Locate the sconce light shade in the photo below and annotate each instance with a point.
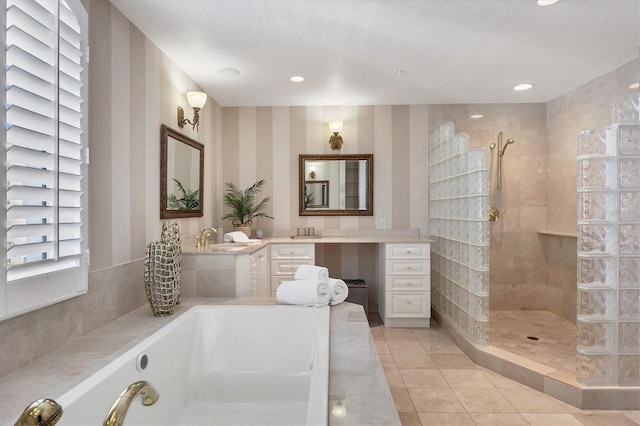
(335, 126)
(336, 140)
(197, 101)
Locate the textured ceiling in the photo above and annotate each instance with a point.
(349, 51)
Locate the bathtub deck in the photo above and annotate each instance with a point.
(356, 377)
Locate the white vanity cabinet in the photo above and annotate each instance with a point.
(405, 297)
(285, 260)
(259, 280)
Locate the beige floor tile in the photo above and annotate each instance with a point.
(635, 416)
(452, 361)
(423, 378)
(382, 347)
(394, 379)
(402, 400)
(399, 335)
(406, 347)
(551, 419)
(436, 401)
(527, 400)
(439, 347)
(413, 361)
(409, 419)
(446, 419)
(499, 419)
(387, 361)
(604, 419)
(466, 378)
(484, 401)
(501, 382)
(377, 334)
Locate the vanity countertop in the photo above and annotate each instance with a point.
(188, 245)
(360, 387)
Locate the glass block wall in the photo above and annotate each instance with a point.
(608, 320)
(459, 205)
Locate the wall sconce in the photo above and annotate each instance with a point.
(197, 101)
(312, 173)
(336, 140)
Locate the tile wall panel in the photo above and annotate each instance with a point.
(459, 205)
(609, 248)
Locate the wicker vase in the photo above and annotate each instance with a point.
(243, 227)
(171, 234)
(162, 277)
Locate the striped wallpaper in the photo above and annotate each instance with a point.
(265, 142)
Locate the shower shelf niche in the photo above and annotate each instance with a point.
(558, 234)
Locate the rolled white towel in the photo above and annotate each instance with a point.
(339, 291)
(235, 237)
(304, 292)
(312, 272)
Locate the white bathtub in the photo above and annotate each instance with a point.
(220, 365)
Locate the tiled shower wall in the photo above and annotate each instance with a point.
(609, 249)
(459, 197)
(518, 258)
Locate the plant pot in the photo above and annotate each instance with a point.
(243, 227)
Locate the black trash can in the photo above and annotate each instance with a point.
(358, 293)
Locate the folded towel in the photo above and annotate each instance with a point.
(312, 272)
(303, 292)
(339, 291)
(236, 237)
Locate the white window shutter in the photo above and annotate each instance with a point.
(46, 188)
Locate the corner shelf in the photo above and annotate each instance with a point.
(558, 234)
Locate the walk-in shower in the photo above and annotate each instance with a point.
(494, 212)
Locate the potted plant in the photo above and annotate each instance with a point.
(244, 206)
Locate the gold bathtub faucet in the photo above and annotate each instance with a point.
(121, 405)
(203, 239)
(43, 412)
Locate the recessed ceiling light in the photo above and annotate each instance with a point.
(547, 2)
(523, 86)
(297, 78)
(228, 72)
(476, 116)
(634, 86)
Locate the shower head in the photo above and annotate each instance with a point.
(504, 148)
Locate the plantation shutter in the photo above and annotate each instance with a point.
(45, 149)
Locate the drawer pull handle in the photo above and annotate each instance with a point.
(409, 284)
(409, 251)
(409, 268)
(408, 302)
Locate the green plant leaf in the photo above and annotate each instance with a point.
(243, 202)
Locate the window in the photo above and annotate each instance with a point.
(46, 154)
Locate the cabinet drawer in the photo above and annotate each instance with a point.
(287, 267)
(417, 283)
(293, 251)
(407, 251)
(407, 267)
(275, 283)
(408, 305)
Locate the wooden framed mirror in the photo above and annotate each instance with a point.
(181, 175)
(335, 185)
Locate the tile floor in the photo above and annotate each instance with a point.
(556, 344)
(434, 383)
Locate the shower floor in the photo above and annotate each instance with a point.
(556, 344)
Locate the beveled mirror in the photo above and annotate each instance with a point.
(336, 185)
(181, 175)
